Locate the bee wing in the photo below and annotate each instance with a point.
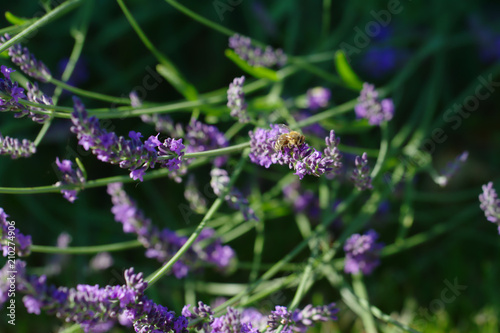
(283, 128)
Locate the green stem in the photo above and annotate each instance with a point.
(360, 291)
(201, 19)
(214, 152)
(153, 278)
(59, 10)
(335, 111)
(384, 147)
(86, 249)
(89, 94)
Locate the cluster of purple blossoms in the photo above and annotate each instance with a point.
(490, 204)
(15, 92)
(305, 160)
(362, 253)
(22, 57)
(130, 154)
(255, 56)
(452, 168)
(234, 198)
(69, 175)
(202, 137)
(318, 97)
(164, 244)
(12, 241)
(236, 100)
(303, 201)
(15, 148)
(252, 321)
(96, 309)
(370, 107)
(361, 174)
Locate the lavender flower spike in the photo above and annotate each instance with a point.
(16, 148)
(164, 244)
(255, 56)
(22, 57)
(318, 97)
(9, 235)
(133, 154)
(69, 175)
(362, 253)
(370, 107)
(361, 175)
(304, 160)
(490, 204)
(236, 100)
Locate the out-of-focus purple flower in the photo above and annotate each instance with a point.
(236, 100)
(487, 39)
(9, 278)
(15, 148)
(234, 198)
(164, 244)
(314, 129)
(303, 201)
(361, 174)
(133, 154)
(255, 56)
(318, 97)
(57, 261)
(380, 61)
(12, 241)
(362, 253)
(305, 160)
(452, 168)
(95, 308)
(490, 204)
(310, 315)
(372, 108)
(202, 137)
(134, 99)
(197, 201)
(101, 261)
(22, 57)
(69, 175)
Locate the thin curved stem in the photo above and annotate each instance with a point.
(86, 249)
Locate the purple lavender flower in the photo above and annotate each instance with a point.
(164, 244)
(12, 240)
(203, 313)
(236, 100)
(318, 97)
(134, 99)
(14, 93)
(101, 261)
(280, 316)
(255, 56)
(234, 198)
(202, 137)
(15, 148)
(490, 204)
(370, 107)
(362, 253)
(304, 160)
(361, 174)
(37, 96)
(452, 168)
(22, 57)
(69, 175)
(133, 154)
(303, 201)
(94, 307)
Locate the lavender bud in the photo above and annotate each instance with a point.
(15, 148)
(236, 100)
(490, 204)
(361, 174)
